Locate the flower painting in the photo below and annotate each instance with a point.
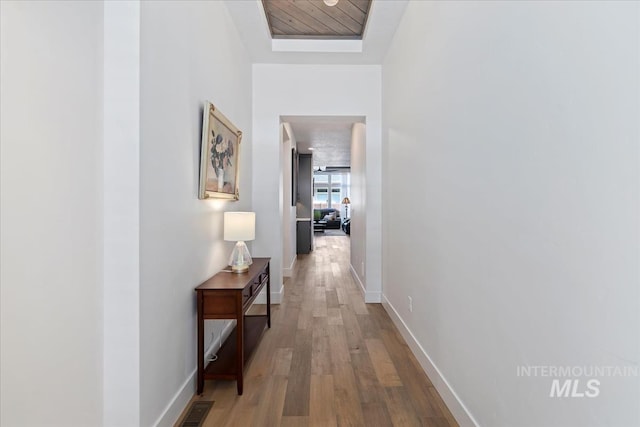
(221, 152)
(219, 156)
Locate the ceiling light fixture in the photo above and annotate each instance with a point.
(331, 2)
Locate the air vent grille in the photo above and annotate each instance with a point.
(196, 414)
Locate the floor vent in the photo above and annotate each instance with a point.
(196, 414)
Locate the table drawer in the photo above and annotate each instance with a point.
(255, 287)
(259, 281)
(219, 304)
(247, 293)
(262, 277)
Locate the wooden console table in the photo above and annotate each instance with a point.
(228, 296)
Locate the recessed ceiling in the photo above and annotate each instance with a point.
(330, 138)
(313, 19)
(382, 21)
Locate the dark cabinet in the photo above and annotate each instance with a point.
(304, 236)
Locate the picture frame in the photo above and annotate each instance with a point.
(219, 156)
(294, 177)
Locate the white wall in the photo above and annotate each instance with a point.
(51, 213)
(313, 90)
(288, 211)
(511, 141)
(190, 53)
(358, 198)
(121, 168)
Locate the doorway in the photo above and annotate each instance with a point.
(336, 145)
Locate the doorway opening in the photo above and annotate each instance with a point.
(323, 185)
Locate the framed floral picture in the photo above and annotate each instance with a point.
(219, 156)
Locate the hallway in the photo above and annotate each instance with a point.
(328, 359)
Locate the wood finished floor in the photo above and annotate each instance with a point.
(329, 359)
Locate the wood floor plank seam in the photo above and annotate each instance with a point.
(329, 359)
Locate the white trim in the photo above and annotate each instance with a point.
(217, 342)
(369, 296)
(288, 271)
(373, 297)
(276, 296)
(181, 399)
(357, 279)
(320, 45)
(121, 227)
(451, 399)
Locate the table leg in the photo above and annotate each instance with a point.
(200, 386)
(268, 297)
(239, 344)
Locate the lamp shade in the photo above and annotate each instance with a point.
(346, 201)
(239, 226)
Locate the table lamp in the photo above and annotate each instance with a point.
(240, 227)
(346, 203)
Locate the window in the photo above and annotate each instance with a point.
(335, 196)
(320, 198)
(329, 189)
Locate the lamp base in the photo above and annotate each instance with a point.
(240, 260)
(239, 268)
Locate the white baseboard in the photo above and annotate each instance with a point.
(180, 400)
(276, 296)
(373, 297)
(288, 271)
(369, 296)
(451, 399)
(357, 279)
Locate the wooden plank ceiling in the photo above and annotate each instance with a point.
(313, 19)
